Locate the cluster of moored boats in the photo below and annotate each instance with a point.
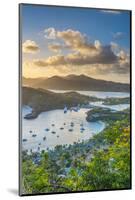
(75, 109)
(82, 129)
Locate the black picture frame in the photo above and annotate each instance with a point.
(20, 97)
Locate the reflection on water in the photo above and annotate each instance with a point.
(56, 128)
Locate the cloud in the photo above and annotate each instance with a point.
(115, 12)
(72, 39)
(56, 47)
(83, 53)
(76, 41)
(114, 45)
(105, 56)
(30, 46)
(50, 33)
(118, 35)
(51, 61)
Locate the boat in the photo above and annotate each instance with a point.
(65, 109)
(70, 129)
(75, 108)
(53, 132)
(72, 124)
(82, 129)
(37, 160)
(44, 138)
(24, 140)
(61, 128)
(34, 135)
(47, 129)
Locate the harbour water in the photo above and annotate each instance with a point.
(55, 127)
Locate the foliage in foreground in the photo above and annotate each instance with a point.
(105, 165)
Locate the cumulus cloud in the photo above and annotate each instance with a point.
(105, 56)
(30, 46)
(50, 33)
(72, 39)
(114, 45)
(56, 47)
(83, 53)
(51, 61)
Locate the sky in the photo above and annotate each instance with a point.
(62, 41)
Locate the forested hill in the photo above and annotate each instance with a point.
(43, 100)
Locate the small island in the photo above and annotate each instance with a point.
(106, 114)
(115, 101)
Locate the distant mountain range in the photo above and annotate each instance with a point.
(74, 82)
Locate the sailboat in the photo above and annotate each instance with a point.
(65, 109)
(82, 129)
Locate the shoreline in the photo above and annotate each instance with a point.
(44, 100)
(34, 114)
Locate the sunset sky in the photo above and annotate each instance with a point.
(62, 41)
